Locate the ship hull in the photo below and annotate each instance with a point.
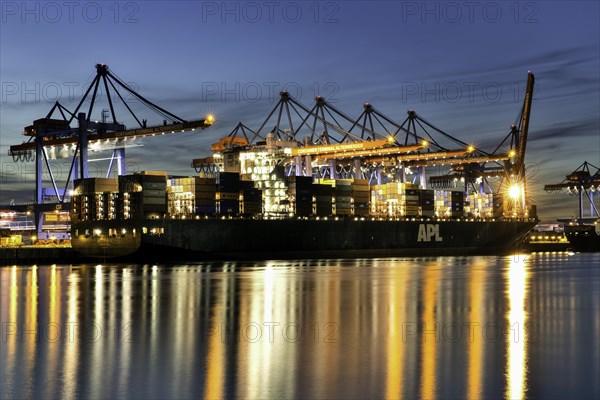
(255, 238)
(582, 237)
(106, 239)
(296, 238)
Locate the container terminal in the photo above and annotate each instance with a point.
(309, 182)
(582, 232)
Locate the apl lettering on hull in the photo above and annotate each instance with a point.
(429, 232)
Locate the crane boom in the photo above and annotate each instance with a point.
(525, 125)
(338, 148)
(126, 134)
(366, 153)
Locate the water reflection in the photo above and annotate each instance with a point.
(476, 315)
(516, 337)
(387, 328)
(431, 331)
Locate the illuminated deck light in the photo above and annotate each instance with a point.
(514, 191)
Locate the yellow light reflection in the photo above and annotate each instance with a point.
(54, 326)
(125, 328)
(478, 274)
(71, 360)
(11, 346)
(154, 295)
(396, 346)
(430, 332)
(31, 329)
(216, 351)
(262, 311)
(516, 337)
(14, 291)
(98, 346)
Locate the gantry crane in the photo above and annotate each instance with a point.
(584, 182)
(325, 138)
(48, 134)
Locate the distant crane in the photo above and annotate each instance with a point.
(584, 182)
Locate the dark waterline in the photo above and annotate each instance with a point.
(451, 327)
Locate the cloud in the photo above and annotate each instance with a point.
(586, 128)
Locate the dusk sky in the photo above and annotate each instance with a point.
(461, 65)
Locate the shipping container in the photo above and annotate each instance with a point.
(228, 206)
(205, 209)
(228, 195)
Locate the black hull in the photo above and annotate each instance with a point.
(267, 239)
(584, 238)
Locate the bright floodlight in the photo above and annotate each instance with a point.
(514, 191)
(424, 143)
(210, 118)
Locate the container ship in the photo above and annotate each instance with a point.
(337, 191)
(225, 217)
(308, 182)
(259, 211)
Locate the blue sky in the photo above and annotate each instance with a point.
(461, 65)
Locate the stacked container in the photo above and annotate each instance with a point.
(427, 199)
(360, 196)
(323, 199)
(180, 199)
(228, 193)
(479, 205)
(153, 185)
(410, 201)
(395, 199)
(205, 195)
(301, 191)
(96, 185)
(252, 198)
(449, 204)
(457, 204)
(343, 197)
(498, 206)
(378, 200)
(191, 195)
(442, 204)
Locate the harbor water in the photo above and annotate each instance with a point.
(522, 326)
